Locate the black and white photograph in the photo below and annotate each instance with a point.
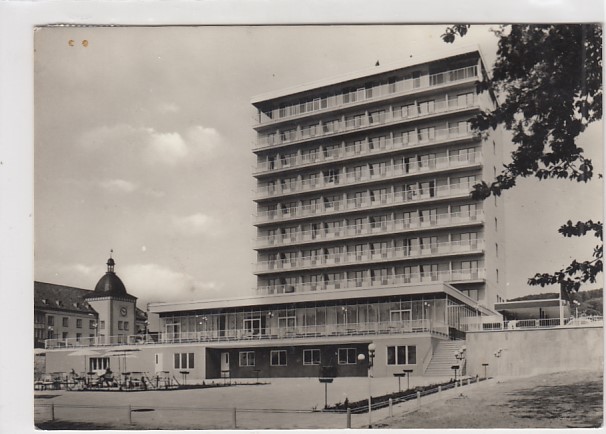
(320, 226)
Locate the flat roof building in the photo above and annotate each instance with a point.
(366, 232)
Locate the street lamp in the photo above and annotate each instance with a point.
(576, 306)
(371, 355)
(426, 305)
(460, 356)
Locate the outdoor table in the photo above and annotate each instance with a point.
(184, 374)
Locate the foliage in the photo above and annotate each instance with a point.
(548, 80)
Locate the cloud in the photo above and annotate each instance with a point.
(196, 224)
(154, 147)
(118, 185)
(154, 282)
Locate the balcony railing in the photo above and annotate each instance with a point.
(99, 341)
(378, 228)
(313, 331)
(354, 204)
(270, 333)
(374, 93)
(484, 325)
(377, 282)
(361, 122)
(369, 174)
(382, 255)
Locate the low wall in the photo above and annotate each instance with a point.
(535, 351)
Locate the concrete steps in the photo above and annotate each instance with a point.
(443, 359)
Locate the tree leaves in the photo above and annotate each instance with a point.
(548, 80)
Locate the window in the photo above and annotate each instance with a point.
(64, 335)
(426, 107)
(426, 134)
(402, 355)
(311, 357)
(126, 325)
(347, 356)
(102, 325)
(252, 326)
(399, 315)
(78, 336)
(120, 325)
(91, 324)
(377, 117)
(98, 363)
(278, 358)
(51, 320)
(184, 360)
(465, 100)
(287, 320)
(79, 323)
(247, 358)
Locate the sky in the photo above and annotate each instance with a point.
(143, 145)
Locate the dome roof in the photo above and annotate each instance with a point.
(110, 284)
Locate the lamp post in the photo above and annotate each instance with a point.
(408, 373)
(371, 355)
(460, 356)
(426, 305)
(576, 306)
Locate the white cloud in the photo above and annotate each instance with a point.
(196, 224)
(118, 185)
(154, 282)
(169, 148)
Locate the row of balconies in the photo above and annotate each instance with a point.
(364, 148)
(355, 203)
(377, 255)
(379, 228)
(357, 123)
(367, 94)
(373, 172)
(378, 282)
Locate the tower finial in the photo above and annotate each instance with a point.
(110, 262)
(111, 252)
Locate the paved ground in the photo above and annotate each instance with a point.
(555, 400)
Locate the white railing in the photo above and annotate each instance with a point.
(589, 321)
(387, 281)
(361, 122)
(367, 94)
(338, 206)
(398, 225)
(379, 255)
(352, 177)
(293, 332)
(98, 341)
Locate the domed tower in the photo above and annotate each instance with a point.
(115, 307)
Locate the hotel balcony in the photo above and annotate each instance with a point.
(377, 256)
(369, 175)
(359, 123)
(461, 190)
(268, 333)
(447, 276)
(368, 95)
(371, 229)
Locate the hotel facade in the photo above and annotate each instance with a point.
(366, 232)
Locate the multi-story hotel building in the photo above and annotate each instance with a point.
(367, 231)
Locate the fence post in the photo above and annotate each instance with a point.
(468, 381)
(418, 398)
(130, 415)
(52, 412)
(234, 418)
(349, 418)
(439, 389)
(390, 407)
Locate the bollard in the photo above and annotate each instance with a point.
(390, 407)
(468, 381)
(130, 415)
(52, 412)
(349, 418)
(439, 389)
(234, 418)
(418, 399)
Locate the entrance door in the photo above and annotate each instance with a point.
(225, 365)
(158, 367)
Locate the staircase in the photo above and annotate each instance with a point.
(443, 358)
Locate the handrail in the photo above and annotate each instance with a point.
(374, 93)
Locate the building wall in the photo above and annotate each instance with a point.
(51, 324)
(110, 313)
(535, 351)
